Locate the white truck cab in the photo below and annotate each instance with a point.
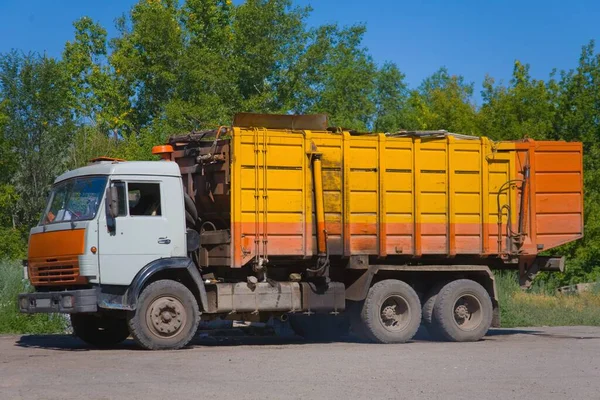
(104, 228)
(150, 223)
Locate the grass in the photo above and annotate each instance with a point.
(538, 307)
(11, 320)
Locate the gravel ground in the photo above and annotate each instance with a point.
(533, 363)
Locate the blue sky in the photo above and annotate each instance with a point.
(471, 38)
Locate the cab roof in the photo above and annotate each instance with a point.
(148, 168)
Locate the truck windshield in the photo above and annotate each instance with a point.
(77, 199)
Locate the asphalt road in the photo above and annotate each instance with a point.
(538, 363)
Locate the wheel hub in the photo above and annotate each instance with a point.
(389, 313)
(462, 312)
(166, 316)
(467, 312)
(395, 313)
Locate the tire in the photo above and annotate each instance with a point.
(190, 207)
(320, 327)
(427, 313)
(391, 312)
(463, 311)
(189, 221)
(166, 317)
(99, 331)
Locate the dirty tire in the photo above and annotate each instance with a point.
(391, 312)
(427, 313)
(320, 327)
(463, 311)
(166, 317)
(99, 331)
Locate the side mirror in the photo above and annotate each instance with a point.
(113, 201)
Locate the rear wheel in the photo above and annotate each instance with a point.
(463, 311)
(391, 312)
(427, 312)
(167, 316)
(99, 330)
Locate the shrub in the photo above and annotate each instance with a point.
(542, 307)
(11, 320)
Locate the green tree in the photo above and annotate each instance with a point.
(578, 118)
(147, 55)
(526, 108)
(206, 86)
(391, 100)
(36, 100)
(269, 37)
(101, 104)
(336, 76)
(101, 96)
(444, 101)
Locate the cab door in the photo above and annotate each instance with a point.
(139, 234)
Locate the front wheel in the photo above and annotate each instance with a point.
(167, 316)
(99, 330)
(391, 312)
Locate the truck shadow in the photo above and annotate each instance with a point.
(71, 343)
(238, 338)
(64, 343)
(511, 331)
(532, 332)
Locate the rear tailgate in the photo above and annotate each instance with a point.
(557, 180)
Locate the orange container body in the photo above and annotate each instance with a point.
(402, 196)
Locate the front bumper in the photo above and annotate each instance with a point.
(69, 301)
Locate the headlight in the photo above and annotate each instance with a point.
(67, 301)
(25, 269)
(24, 303)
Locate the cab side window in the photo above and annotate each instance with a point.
(144, 199)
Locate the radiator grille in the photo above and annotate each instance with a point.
(55, 271)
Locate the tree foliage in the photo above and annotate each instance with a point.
(176, 66)
(37, 104)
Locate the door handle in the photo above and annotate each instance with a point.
(164, 240)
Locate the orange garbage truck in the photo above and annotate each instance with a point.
(282, 216)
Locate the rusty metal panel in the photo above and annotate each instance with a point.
(314, 122)
(315, 299)
(244, 297)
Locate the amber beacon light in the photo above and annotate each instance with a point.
(164, 151)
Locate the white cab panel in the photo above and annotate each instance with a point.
(138, 240)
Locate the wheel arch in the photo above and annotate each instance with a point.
(180, 269)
